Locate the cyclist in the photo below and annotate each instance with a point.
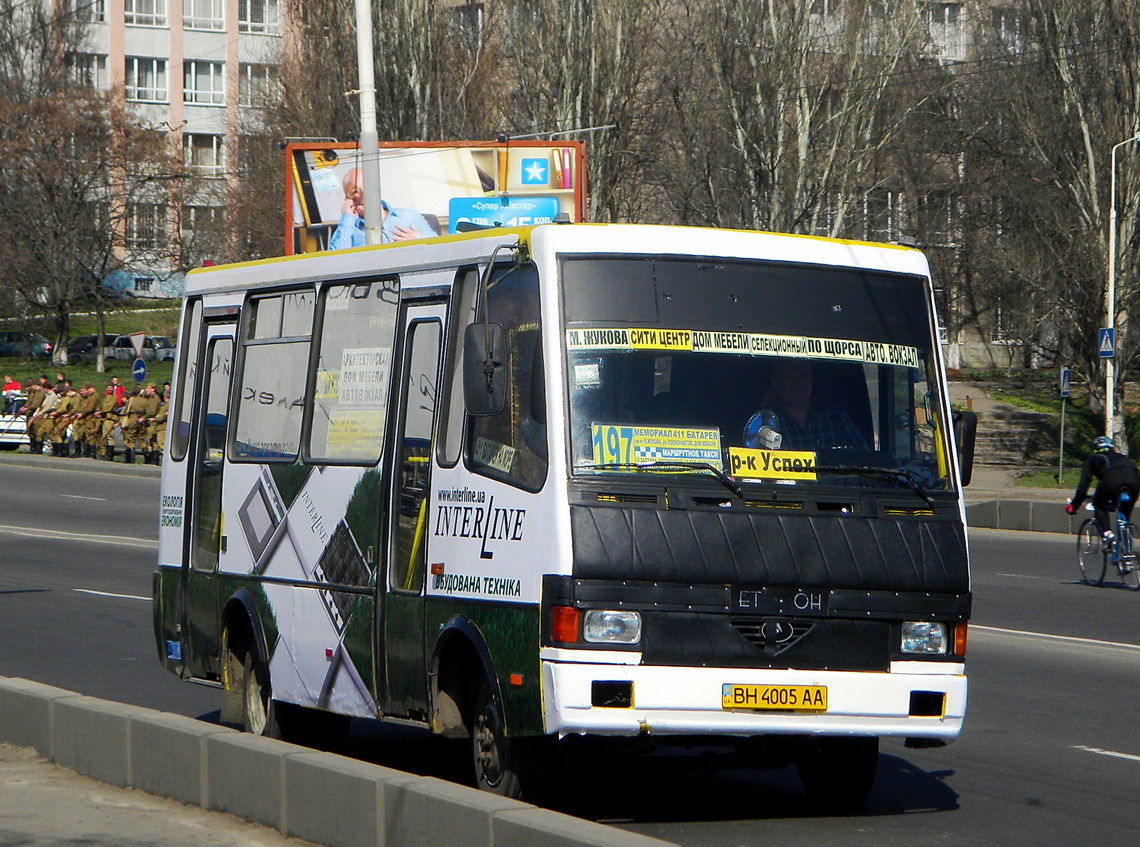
(1115, 473)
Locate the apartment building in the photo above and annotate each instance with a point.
(194, 70)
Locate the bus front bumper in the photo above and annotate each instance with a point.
(919, 700)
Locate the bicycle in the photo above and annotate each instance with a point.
(1094, 551)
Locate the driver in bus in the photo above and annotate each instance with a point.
(802, 421)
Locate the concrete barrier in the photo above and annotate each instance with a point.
(320, 797)
(1028, 515)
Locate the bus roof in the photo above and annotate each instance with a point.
(609, 239)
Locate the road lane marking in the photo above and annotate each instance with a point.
(1050, 637)
(1026, 576)
(81, 497)
(59, 534)
(110, 594)
(1112, 753)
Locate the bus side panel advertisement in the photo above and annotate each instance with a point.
(305, 534)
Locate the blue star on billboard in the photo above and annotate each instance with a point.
(535, 171)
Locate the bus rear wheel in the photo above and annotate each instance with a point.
(259, 712)
(837, 773)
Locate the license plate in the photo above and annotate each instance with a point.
(780, 698)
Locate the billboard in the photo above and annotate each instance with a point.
(428, 189)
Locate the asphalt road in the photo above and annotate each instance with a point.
(1050, 754)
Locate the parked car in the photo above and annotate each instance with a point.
(163, 347)
(13, 428)
(24, 344)
(155, 348)
(82, 347)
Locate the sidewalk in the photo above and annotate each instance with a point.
(45, 805)
(998, 482)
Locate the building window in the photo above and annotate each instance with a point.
(88, 69)
(257, 85)
(203, 14)
(261, 16)
(882, 215)
(86, 11)
(146, 80)
(469, 22)
(204, 83)
(204, 154)
(145, 12)
(1009, 29)
(938, 218)
(945, 23)
(146, 226)
(143, 283)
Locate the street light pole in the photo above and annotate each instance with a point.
(1110, 292)
(369, 137)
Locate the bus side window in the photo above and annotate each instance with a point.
(450, 438)
(187, 380)
(512, 444)
(274, 365)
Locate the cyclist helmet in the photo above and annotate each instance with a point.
(1101, 443)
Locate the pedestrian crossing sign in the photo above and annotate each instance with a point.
(1106, 342)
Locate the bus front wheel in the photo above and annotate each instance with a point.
(837, 773)
(494, 754)
(509, 767)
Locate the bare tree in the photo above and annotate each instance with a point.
(787, 106)
(73, 165)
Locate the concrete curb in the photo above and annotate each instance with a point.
(316, 796)
(1025, 515)
(89, 465)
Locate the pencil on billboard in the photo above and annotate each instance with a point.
(566, 180)
(502, 171)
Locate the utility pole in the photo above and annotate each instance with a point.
(369, 137)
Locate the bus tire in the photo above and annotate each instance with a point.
(259, 712)
(508, 767)
(837, 773)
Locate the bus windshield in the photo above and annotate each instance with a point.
(775, 373)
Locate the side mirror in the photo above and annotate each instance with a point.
(965, 433)
(484, 381)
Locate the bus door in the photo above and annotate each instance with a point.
(206, 536)
(405, 664)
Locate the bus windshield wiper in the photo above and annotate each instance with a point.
(727, 481)
(869, 470)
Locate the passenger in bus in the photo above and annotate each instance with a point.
(397, 224)
(805, 422)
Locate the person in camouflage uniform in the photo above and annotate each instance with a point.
(81, 421)
(61, 419)
(156, 431)
(106, 419)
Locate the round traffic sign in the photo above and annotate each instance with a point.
(138, 370)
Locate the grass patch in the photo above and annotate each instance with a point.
(81, 372)
(1048, 478)
(152, 322)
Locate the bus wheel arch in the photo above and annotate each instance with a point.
(460, 665)
(248, 693)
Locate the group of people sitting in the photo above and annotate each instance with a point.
(69, 421)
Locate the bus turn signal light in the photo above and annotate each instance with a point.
(564, 624)
(960, 639)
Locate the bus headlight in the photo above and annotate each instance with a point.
(610, 627)
(924, 637)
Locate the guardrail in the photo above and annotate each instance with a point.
(316, 796)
